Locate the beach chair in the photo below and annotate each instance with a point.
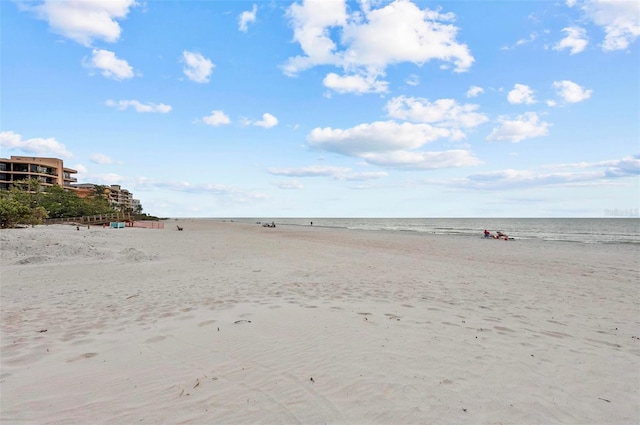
(179, 228)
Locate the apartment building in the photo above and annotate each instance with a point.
(119, 197)
(88, 190)
(51, 171)
(48, 171)
(137, 206)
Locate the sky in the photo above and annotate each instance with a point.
(332, 108)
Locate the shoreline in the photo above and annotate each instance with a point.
(426, 226)
(229, 322)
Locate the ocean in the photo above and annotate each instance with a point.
(584, 230)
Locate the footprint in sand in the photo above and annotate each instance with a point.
(83, 341)
(82, 356)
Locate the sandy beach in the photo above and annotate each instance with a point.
(233, 323)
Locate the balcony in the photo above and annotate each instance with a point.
(38, 169)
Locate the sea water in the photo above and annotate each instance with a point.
(585, 230)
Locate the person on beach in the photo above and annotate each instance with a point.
(502, 236)
(487, 234)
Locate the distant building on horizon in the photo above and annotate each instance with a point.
(121, 198)
(136, 206)
(48, 171)
(118, 197)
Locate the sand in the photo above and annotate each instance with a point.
(233, 323)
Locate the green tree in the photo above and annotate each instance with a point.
(21, 204)
(26, 191)
(61, 203)
(100, 191)
(26, 202)
(13, 211)
(37, 215)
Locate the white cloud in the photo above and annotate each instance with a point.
(390, 144)
(312, 21)
(216, 118)
(629, 165)
(532, 37)
(521, 42)
(84, 21)
(336, 173)
(357, 84)
(402, 32)
(289, 185)
(619, 19)
(424, 160)
(197, 68)
(100, 158)
(246, 18)
(412, 80)
(625, 167)
(380, 136)
(38, 146)
(474, 91)
(106, 179)
(443, 112)
(99, 178)
(525, 126)
(310, 171)
(576, 40)
(223, 193)
(109, 65)
(365, 42)
(589, 174)
(138, 106)
(521, 94)
(571, 92)
(363, 176)
(521, 178)
(267, 121)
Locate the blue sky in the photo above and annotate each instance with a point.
(332, 108)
